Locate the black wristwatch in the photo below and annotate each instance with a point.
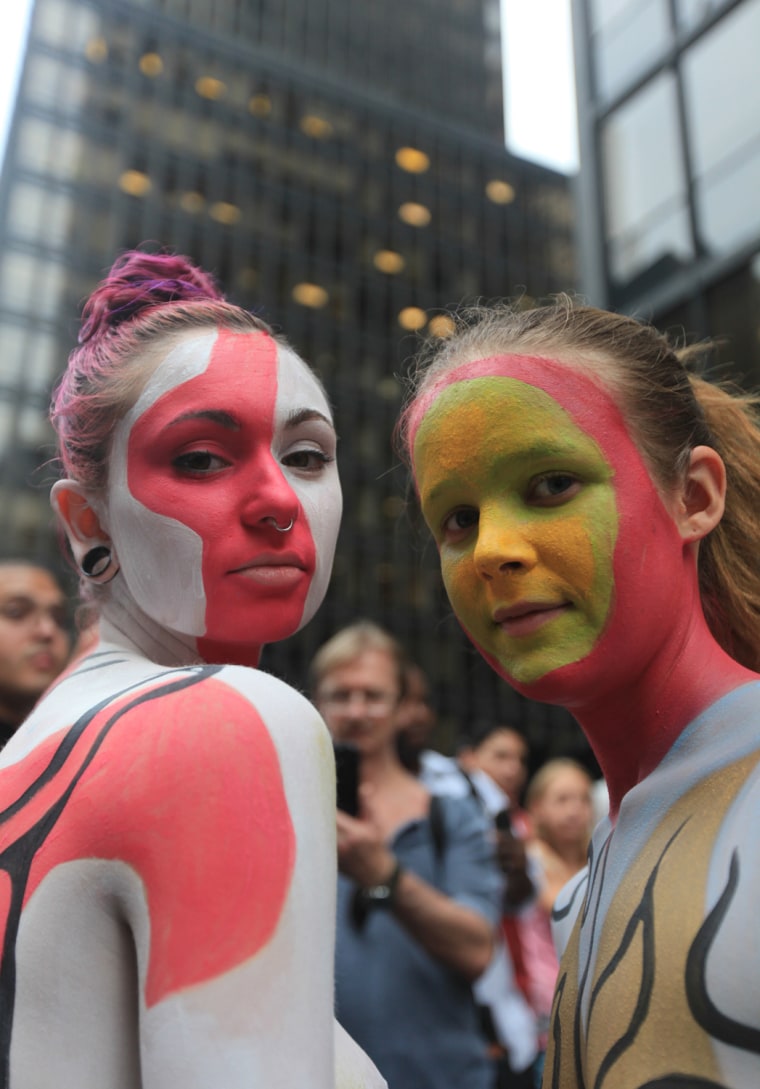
(382, 895)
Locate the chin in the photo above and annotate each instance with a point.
(563, 686)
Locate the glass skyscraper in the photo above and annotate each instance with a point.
(669, 190)
(340, 167)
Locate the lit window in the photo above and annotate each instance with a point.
(388, 261)
(441, 325)
(412, 317)
(191, 202)
(310, 295)
(208, 87)
(96, 50)
(416, 215)
(134, 182)
(500, 192)
(224, 212)
(412, 160)
(260, 105)
(315, 126)
(151, 64)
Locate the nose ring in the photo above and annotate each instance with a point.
(282, 529)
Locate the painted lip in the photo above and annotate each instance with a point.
(275, 569)
(525, 617)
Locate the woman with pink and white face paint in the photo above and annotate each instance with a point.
(574, 476)
(167, 850)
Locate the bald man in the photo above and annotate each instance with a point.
(34, 639)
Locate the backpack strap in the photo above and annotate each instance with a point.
(437, 828)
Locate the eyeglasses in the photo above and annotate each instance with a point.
(374, 700)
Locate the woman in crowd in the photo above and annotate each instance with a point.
(558, 800)
(166, 812)
(574, 476)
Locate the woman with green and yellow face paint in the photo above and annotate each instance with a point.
(573, 475)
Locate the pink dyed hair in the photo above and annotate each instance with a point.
(145, 299)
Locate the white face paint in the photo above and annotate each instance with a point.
(323, 507)
(230, 439)
(159, 556)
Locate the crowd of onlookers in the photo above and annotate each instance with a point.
(448, 865)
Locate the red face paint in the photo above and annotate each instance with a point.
(212, 455)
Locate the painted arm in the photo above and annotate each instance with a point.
(177, 908)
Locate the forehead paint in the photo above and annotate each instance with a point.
(482, 445)
(569, 387)
(648, 559)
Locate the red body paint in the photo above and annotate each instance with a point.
(201, 817)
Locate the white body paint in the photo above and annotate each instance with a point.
(179, 915)
(85, 934)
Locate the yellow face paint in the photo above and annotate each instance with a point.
(522, 506)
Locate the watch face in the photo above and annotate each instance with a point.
(378, 893)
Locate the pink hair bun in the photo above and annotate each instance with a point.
(137, 282)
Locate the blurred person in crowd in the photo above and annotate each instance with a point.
(501, 752)
(494, 758)
(34, 639)
(419, 890)
(415, 718)
(506, 1015)
(559, 802)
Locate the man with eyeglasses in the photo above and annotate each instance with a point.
(34, 639)
(419, 890)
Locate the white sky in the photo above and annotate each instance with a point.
(540, 97)
(540, 114)
(13, 20)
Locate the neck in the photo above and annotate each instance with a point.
(381, 766)
(573, 855)
(123, 621)
(631, 728)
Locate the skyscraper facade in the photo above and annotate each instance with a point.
(669, 190)
(340, 167)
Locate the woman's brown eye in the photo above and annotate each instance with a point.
(199, 461)
(555, 486)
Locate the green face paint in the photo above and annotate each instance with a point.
(521, 503)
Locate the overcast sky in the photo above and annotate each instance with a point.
(540, 99)
(540, 115)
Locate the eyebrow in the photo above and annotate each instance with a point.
(303, 415)
(537, 450)
(222, 418)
